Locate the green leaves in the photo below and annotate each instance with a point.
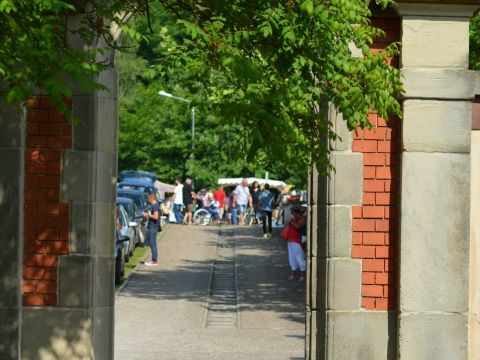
(278, 61)
(36, 52)
(475, 42)
(307, 6)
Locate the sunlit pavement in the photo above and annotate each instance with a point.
(161, 313)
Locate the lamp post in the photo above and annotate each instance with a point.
(166, 94)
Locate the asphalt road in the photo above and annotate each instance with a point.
(218, 293)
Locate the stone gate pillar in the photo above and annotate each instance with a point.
(390, 229)
(57, 201)
(65, 289)
(435, 187)
(353, 257)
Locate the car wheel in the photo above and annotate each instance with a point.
(119, 268)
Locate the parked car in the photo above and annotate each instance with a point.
(135, 174)
(137, 183)
(141, 183)
(140, 199)
(127, 228)
(119, 255)
(133, 216)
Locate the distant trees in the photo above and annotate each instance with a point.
(260, 70)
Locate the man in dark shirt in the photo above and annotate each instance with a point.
(153, 218)
(188, 201)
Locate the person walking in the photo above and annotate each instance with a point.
(178, 201)
(188, 201)
(219, 196)
(281, 203)
(265, 204)
(153, 218)
(255, 201)
(243, 200)
(233, 209)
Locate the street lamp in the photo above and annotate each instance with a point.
(166, 94)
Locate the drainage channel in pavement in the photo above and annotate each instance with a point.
(222, 302)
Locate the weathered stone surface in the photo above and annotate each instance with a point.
(433, 336)
(359, 336)
(437, 126)
(92, 225)
(428, 8)
(89, 176)
(439, 83)
(322, 274)
(56, 333)
(313, 186)
(312, 289)
(9, 333)
(432, 41)
(435, 232)
(321, 246)
(345, 184)
(84, 137)
(339, 231)
(97, 126)
(75, 277)
(344, 284)
(11, 122)
(109, 79)
(10, 222)
(103, 281)
(107, 124)
(345, 138)
(474, 308)
(318, 240)
(103, 341)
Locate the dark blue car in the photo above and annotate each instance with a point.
(136, 174)
(139, 197)
(119, 255)
(137, 183)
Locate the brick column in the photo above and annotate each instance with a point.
(375, 223)
(46, 215)
(68, 268)
(354, 237)
(435, 188)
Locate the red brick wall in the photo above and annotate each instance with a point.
(46, 217)
(375, 227)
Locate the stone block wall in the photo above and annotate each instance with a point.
(47, 216)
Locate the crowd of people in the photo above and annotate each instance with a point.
(244, 205)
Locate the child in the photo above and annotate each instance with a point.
(296, 255)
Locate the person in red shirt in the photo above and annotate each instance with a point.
(219, 196)
(296, 254)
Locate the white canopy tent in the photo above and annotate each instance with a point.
(163, 188)
(237, 181)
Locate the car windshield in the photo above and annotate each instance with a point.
(129, 208)
(139, 199)
(122, 216)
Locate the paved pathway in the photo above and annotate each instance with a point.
(254, 312)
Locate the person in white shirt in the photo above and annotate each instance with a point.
(243, 200)
(178, 201)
